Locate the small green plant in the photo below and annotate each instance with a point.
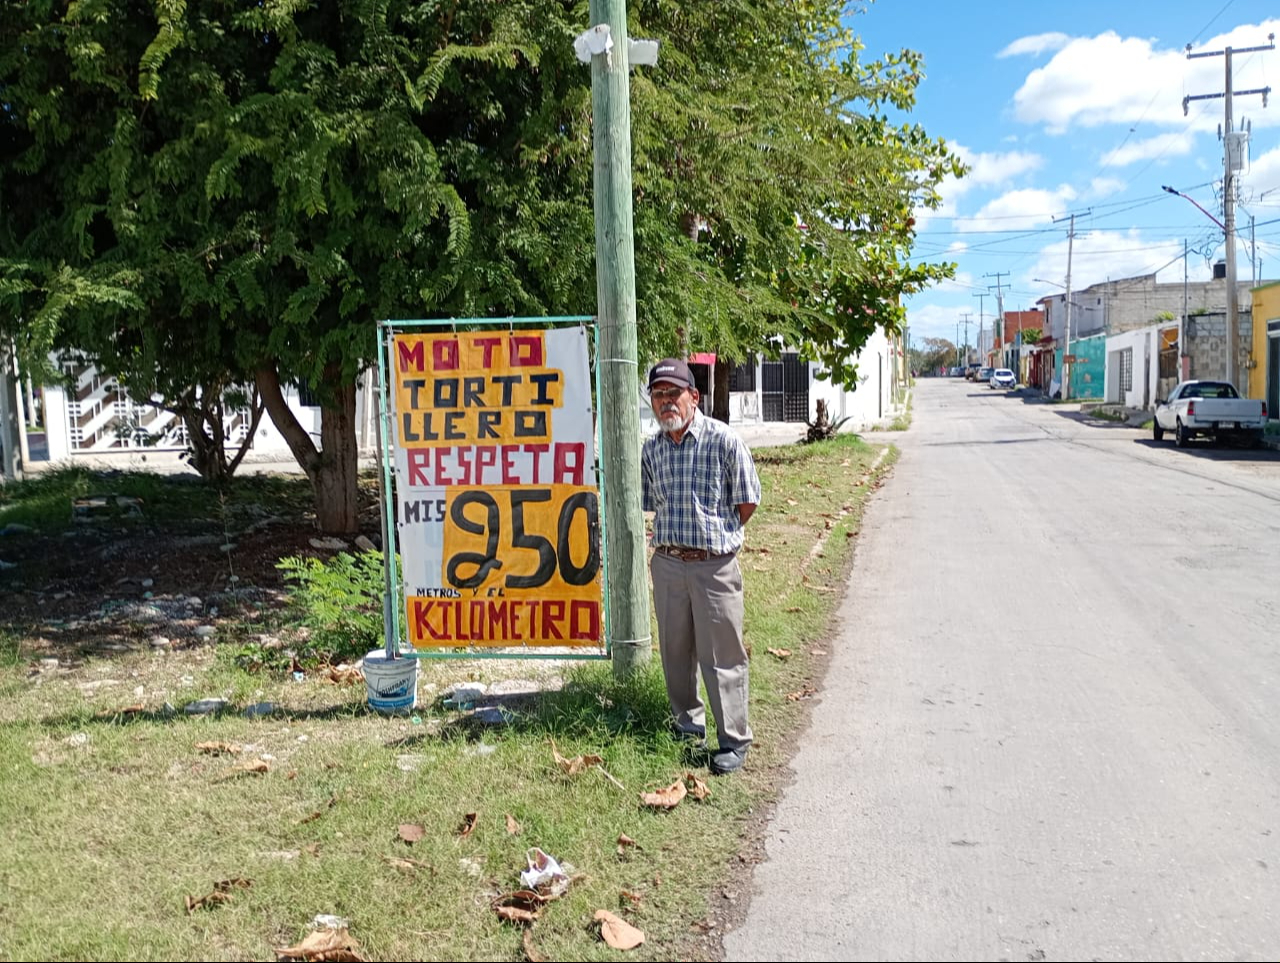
(340, 601)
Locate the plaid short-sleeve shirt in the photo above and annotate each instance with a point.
(695, 487)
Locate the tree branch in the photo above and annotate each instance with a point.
(267, 381)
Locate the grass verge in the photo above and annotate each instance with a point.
(113, 816)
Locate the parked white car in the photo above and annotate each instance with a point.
(1003, 378)
(1212, 408)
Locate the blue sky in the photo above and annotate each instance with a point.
(1077, 108)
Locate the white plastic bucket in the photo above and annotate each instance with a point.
(392, 684)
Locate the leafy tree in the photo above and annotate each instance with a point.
(935, 354)
(201, 193)
(791, 191)
(1032, 335)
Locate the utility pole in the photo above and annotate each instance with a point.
(628, 623)
(999, 286)
(1232, 161)
(982, 318)
(1066, 339)
(964, 319)
(11, 463)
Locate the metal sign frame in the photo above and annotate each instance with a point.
(393, 601)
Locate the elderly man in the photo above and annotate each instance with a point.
(701, 484)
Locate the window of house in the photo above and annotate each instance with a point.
(1126, 369)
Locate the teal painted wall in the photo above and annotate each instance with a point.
(1088, 376)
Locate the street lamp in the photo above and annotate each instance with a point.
(1229, 251)
(1166, 188)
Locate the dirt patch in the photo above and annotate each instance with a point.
(93, 587)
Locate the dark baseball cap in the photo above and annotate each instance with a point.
(673, 370)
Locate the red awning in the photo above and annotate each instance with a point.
(702, 357)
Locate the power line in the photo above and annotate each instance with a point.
(1210, 23)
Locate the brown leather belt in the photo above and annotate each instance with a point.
(688, 554)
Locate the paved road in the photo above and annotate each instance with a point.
(1051, 725)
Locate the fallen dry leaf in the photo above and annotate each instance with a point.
(221, 894)
(341, 675)
(697, 787)
(817, 651)
(794, 608)
(634, 898)
(219, 748)
(411, 832)
(313, 849)
(293, 774)
(617, 932)
(324, 946)
(468, 825)
(515, 914)
(530, 951)
(132, 710)
(780, 653)
(624, 841)
(571, 767)
(407, 865)
(657, 880)
(666, 798)
(521, 905)
(252, 767)
(807, 692)
(792, 501)
(513, 827)
(312, 817)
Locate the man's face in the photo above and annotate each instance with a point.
(672, 404)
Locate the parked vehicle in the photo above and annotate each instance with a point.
(1211, 408)
(984, 373)
(1002, 378)
(971, 371)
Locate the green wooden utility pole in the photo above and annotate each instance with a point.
(616, 296)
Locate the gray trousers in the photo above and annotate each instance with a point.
(699, 608)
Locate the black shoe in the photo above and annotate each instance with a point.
(695, 741)
(726, 761)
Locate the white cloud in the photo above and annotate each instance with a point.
(1020, 210)
(1262, 176)
(1035, 44)
(996, 168)
(1162, 145)
(987, 169)
(1104, 187)
(962, 283)
(933, 320)
(1101, 255)
(1109, 79)
(957, 247)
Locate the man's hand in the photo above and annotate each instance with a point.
(745, 511)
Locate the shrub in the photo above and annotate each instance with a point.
(340, 601)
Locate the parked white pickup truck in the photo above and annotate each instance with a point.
(1211, 408)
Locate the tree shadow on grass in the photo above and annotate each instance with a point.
(592, 705)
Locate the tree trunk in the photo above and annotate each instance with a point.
(332, 471)
(720, 389)
(690, 227)
(337, 483)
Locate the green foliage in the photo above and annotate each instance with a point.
(205, 194)
(1032, 335)
(340, 601)
(1164, 316)
(936, 353)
